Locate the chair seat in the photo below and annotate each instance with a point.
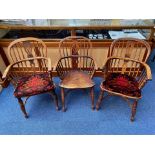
(77, 79)
(33, 85)
(121, 83)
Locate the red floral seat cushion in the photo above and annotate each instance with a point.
(32, 85)
(123, 84)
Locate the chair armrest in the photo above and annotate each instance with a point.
(6, 72)
(148, 71)
(4, 80)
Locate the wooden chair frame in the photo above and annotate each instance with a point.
(33, 66)
(75, 63)
(140, 70)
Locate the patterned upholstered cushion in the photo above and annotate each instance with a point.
(32, 85)
(123, 84)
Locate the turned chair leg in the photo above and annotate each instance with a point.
(133, 112)
(55, 99)
(63, 99)
(22, 107)
(99, 100)
(92, 97)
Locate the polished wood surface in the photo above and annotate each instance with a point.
(76, 79)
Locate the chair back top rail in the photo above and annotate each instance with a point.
(75, 45)
(27, 48)
(130, 47)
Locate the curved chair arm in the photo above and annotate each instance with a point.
(145, 75)
(4, 82)
(84, 63)
(148, 71)
(6, 72)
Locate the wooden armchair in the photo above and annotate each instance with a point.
(76, 72)
(130, 48)
(31, 76)
(124, 77)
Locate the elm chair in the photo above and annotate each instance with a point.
(31, 76)
(130, 48)
(124, 77)
(23, 49)
(76, 72)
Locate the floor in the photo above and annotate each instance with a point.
(113, 118)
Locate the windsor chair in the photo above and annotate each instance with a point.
(76, 72)
(30, 70)
(30, 77)
(124, 77)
